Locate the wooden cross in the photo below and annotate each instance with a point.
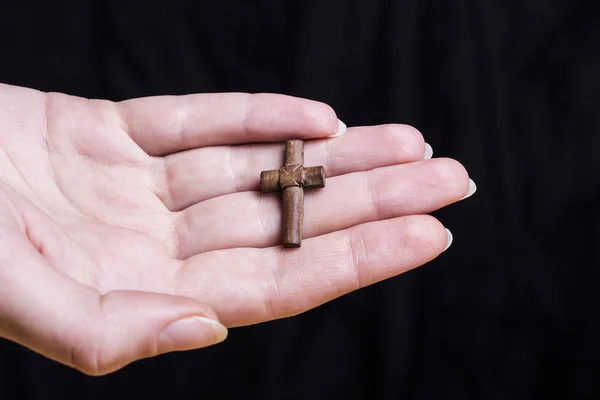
(292, 179)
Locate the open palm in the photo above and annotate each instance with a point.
(129, 229)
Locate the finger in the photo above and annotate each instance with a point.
(347, 200)
(166, 124)
(197, 175)
(97, 334)
(257, 285)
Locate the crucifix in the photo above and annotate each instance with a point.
(291, 180)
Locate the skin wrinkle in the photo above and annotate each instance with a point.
(372, 199)
(91, 162)
(241, 164)
(282, 261)
(60, 189)
(51, 151)
(182, 225)
(110, 177)
(38, 245)
(246, 161)
(246, 117)
(95, 217)
(273, 294)
(231, 167)
(180, 116)
(18, 171)
(171, 197)
(179, 284)
(100, 265)
(266, 217)
(88, 161)
(326, 149)
(162, 186)
(5, 199)
(46, 141)
(22, 177)
(175, 248)
(139, 160)
(88, 356)
(90, 279)
(355, 245)
(29, 219)
(157, 181)
(122, 121)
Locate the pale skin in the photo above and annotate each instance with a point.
(132, 229)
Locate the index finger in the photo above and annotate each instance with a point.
(166, 124)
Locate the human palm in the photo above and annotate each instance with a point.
(129, 229)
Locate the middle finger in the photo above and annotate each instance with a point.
(252, 219)
(201, 174)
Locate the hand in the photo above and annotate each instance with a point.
(132, 229)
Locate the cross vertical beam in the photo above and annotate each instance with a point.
(291, 180)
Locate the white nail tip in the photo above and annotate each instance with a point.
(341, 129)
(428, 152)
(472, 189)
(449, 240)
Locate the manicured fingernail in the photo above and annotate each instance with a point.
(191, 333)
(341, 129)
(428, 152)
(449, 240)
(472, 189)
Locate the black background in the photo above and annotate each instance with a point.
(509, 88)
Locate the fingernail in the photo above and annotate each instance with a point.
(341, 129)
(472, 189)
(428, 152)
(191, 333)
(449, 240)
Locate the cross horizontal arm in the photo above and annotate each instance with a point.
(269, 181)
(314, 178)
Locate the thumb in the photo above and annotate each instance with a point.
(96, 334)
(130, 325)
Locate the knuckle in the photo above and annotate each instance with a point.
(88, 351)
(97, 356)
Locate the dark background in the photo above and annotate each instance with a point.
(509, 88)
